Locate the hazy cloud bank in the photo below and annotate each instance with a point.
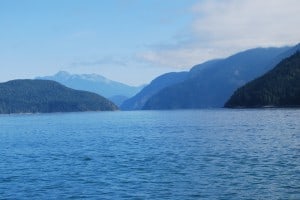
(220, 28)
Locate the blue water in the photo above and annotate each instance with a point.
(194, 154)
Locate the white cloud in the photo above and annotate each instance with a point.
(221, 28)
(248, 23)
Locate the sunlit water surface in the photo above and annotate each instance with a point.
(194, 154)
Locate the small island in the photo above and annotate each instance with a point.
(44, 96)
(280, 87)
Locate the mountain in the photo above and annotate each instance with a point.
(280, 87)
(285, 54)
(44, 96)
(211, 84)
(118, 99)
(138, 101)
(93, 83)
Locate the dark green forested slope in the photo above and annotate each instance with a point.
(30, 96)
(280, 87)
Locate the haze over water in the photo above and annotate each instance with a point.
(192, 154)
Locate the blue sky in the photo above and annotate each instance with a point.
(133, 41)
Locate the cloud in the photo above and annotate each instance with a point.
(107, 60)
(221, 28)
(246, 23)
(180, 58)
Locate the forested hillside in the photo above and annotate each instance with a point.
(279, 87)
(31, 96)
(212, 84)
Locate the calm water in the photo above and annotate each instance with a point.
(201, 154)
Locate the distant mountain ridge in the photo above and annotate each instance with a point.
(212, 83)
(279, 87)
(137, 102)
(93, 83)
(45, 96)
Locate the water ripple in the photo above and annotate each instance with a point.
(200, 154)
